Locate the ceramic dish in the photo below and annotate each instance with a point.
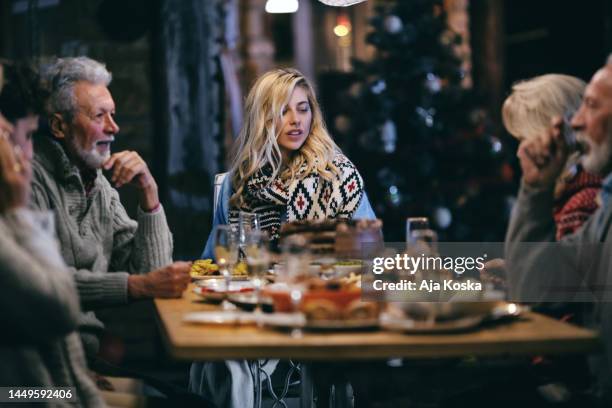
(214, 290)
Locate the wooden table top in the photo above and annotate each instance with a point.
(533, 334)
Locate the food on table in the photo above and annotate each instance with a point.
(206, 267)
(321, 309)
(353, 262)
(337, 236)
(358, 310)
(327, 299)
(240, 269)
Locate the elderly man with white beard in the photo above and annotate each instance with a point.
(579, 267)
(114, 259)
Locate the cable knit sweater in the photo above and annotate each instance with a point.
(98, 240)
(39, 311)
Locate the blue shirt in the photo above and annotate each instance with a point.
(220, 217)
(606, 191)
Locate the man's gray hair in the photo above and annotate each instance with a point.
(609, 61)
(63, 74)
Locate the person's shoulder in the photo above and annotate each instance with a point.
(341, 161)
(344, 165)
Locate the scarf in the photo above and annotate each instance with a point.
(303, 198)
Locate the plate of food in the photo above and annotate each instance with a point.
(327, 304)
(478, 313)
(215, 290)
(203, 269)
(248, 301)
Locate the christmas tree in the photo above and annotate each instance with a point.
(418, 136)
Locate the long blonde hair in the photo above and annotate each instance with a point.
(257, 145)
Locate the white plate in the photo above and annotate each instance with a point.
(224, 317)
(291, 320)
(218, 285)
(215, 289)
(393, 323)
(213, 277)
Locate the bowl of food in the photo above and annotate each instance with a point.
(325, 299)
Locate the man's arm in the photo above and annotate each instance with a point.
(139, 246)
(103, 289)
(538, 268)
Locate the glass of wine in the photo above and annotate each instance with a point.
(247, 222)
(226, 251)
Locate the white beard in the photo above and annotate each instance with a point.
(598, 158)
(92, 157)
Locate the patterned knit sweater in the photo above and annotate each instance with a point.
(39, 312)
(575, 202)
(98, 240)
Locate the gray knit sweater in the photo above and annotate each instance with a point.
(40, 309)
(97, 239)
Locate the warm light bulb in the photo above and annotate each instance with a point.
(343, 25)
(281, 6)
(341, 30)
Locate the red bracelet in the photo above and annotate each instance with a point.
(154, 209)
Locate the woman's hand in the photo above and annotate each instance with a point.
(15, 175)
(543, 157)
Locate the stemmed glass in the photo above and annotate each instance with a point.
(414, 224)
(296, 257)
(257, 259)
(226, 251)
(247, 222)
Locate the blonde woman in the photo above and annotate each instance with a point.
(527, 113)
(286, 167)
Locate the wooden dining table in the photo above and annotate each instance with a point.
(531, 334)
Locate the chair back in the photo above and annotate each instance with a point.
(219, 178)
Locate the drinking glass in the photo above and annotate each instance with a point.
(415, 224)
(425, 241)
(296, 257)
(226, 251)
(247, 222)
(257, 255)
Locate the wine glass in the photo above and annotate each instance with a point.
(414, 224)
(247, 222)
(296, 256)
(257, 257)
(226, 251)
(425, 240)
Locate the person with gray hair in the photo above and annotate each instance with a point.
(113, 258)
(527, 113)
(578, 268)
